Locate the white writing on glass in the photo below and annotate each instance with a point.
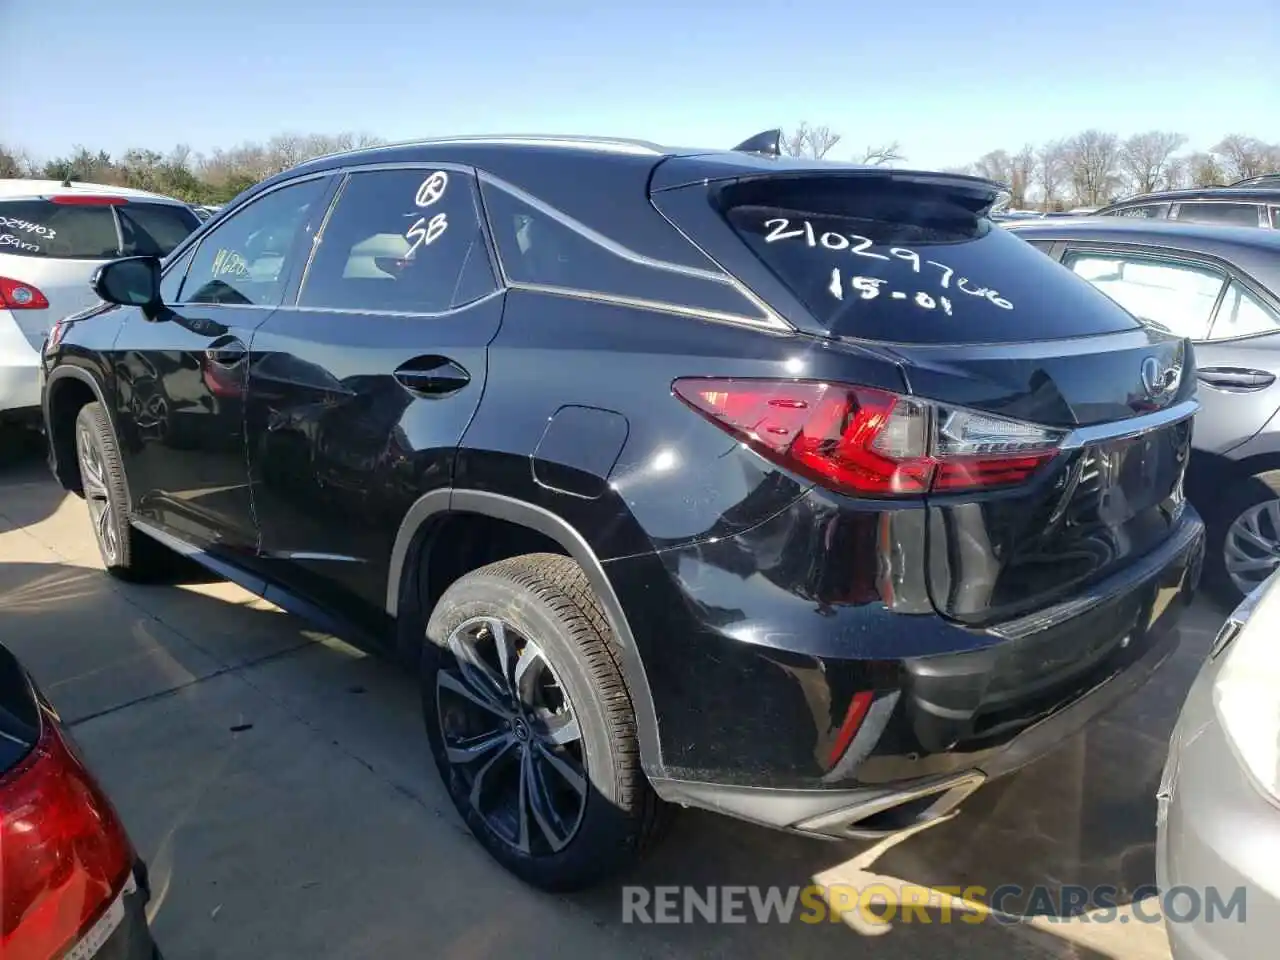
(9, 240)
(425, 232)
(229, 263)
(13, 223)
(780, 229)
(432, 189)
(869, 288)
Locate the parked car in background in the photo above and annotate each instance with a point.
(70, 882)
(53, 235)
(1219, 287)
(1250, 203)
(1218, 813)
(1263, 180)
(788, 489)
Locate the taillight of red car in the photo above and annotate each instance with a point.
(871, 442)
(65, 859)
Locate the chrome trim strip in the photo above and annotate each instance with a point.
(1123, 429)
(357, 311)
(698, 313)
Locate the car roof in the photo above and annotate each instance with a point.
(478, 150)
(13, 189)
(1256, 193)
(1255, 251)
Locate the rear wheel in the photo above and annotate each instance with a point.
(1244, 537)
(531, 725)
(125, 552)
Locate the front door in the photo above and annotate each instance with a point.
(361, 388)
(182, 375)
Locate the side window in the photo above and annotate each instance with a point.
(1226, 214)
(1242, 314)
(401, 241)
(539, 247)
(246, 260)
(1275, 218)
(1143, 211)
(1175, 297)
(174, 274)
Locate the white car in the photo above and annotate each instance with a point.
(53, 236)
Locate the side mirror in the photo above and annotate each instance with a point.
(130, 282)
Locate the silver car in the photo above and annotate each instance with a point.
(1218, 812)
(1220, 287)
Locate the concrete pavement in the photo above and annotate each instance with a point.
(277, 781)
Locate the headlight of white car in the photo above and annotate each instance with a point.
(1246, 692)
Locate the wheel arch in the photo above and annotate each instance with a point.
(432, 507)
(66, 391)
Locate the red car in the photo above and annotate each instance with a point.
(71, 885)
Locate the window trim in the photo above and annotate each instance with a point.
(1260, 210)
(199, 235)
(1263, 296)
(343, 177)
(1167, 255)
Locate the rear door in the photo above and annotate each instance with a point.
(362, 385)
(909, 266)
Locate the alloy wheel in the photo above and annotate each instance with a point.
(511, 735)
(93, 479)
(1251, 550)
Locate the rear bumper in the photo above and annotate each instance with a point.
(749, 725)
(19, 369)
(131, 938)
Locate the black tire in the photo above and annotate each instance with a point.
(1238, 498)
(125, 552)
(546, 599)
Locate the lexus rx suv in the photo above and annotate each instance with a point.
(792, 490)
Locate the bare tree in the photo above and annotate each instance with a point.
(1177, 174)
(996, 165)
(1022, 168)
(10, 163)
(1242, 156)
(1093, 159)
(884, 154)
(807, 141)
(1204, 170)
(1145, 157)
(1051, 171)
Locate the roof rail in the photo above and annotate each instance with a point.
(767, 143)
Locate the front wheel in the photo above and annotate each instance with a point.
(531, 725)
(125, 552)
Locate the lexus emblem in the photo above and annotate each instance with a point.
(1159, 381)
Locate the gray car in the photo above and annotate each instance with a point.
(1220, 287)
(1218, 814)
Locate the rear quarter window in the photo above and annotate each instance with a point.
(40, 228)
(911, 263)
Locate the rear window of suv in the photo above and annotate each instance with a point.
(911, 262)
(72, 231)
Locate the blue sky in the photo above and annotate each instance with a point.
(949, 80)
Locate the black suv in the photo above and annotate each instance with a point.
(792, 490)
